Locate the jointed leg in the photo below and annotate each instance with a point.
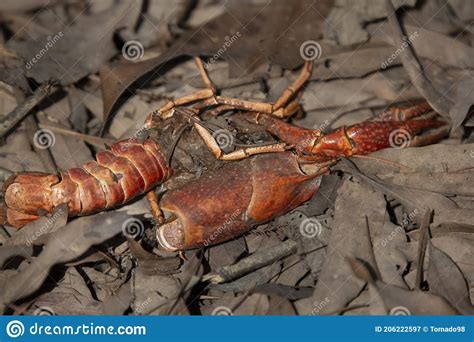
(167, 109)
(241, 153)
(262, 107)
(205, 77)
(278, 109)
(208, 98)
(408, 113)
(295, 87)
(155, 207)
(429, 138)
(285, 112)
(403, 114)
(218, 110)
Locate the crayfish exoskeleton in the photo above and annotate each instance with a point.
(224, 203)
(128, 169)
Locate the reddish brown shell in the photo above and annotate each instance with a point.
(129, 169)
(228, 202)
(363, 138)
(367, 137)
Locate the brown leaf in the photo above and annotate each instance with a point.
(13, 5)
(66, 302)
(446, 279)
(349, 29)
(64, 245)
(400, 301)
(460, 183)
(388, 240)
(160, 294)
(280, 306)
(73, 52)
(429, 159)
(151, 263)
(418, 76)
(357, 206)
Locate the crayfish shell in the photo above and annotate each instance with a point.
(129, 169)
(228, 202)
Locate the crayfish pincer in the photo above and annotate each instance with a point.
(223, 204)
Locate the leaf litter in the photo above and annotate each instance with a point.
(373, 252)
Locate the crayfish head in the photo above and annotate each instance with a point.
(166, 132)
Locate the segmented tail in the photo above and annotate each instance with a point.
(127, 170)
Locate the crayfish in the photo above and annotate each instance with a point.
(229, 201)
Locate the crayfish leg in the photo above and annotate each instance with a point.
(430, 138)
(406, 113)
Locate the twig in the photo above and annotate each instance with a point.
(251, 263)
(93, 140)
(22, 110)
(422, 243)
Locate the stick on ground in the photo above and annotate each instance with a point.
(254, 262)
(22, 110)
